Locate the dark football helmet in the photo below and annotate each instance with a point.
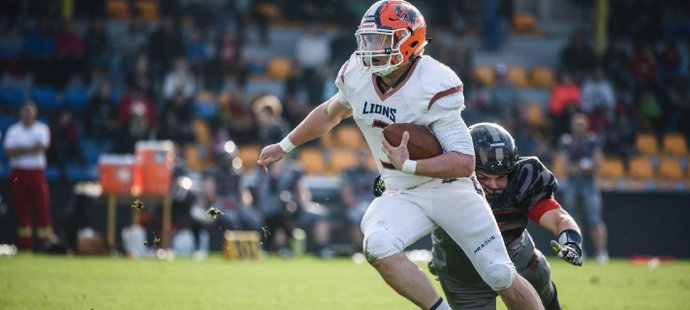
(495, 153)
(494, 148)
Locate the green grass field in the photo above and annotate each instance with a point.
(56, 282)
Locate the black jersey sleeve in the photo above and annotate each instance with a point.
(534, 182)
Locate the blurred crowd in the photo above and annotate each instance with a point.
(103, 83)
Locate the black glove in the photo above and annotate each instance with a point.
(379, 187)
(569, 247)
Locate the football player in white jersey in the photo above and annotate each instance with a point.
(389, 80)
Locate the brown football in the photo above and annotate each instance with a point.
(422, 144)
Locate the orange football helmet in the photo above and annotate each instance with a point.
(392, 33)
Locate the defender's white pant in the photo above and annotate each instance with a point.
(401, 217)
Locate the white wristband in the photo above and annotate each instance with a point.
(409, 166)
(287, 145)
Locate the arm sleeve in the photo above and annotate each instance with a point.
(10, 141)
(445, 120)
(45, 136)
(542, 183)
(343, 91)
(453, 134)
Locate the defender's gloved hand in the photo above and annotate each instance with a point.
(379, 187)
(569, 247)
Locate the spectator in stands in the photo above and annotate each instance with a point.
(40, 41)
(227, 61)
(565, 101)
(165, 44)
(651, 111)
(141, 75)
(96, 43)
(679, 101)
(180, 77)
(616, 63)
(598, 97)
(235, 118)
(137, 115)
(176, 120)
(127, 44)
(355, 193)
(577, 58)
(531, 142)
(25, 145)
(644, 65)
(285, 204)
(620, 141)
(65, 143)
(272, 127)
(195, 50)
(224, 189)
(458, 55)
(313, 55)
(69, 48)
(503, 98)
(101, 124)
(39, 52)
(580, 155)
(669, 63)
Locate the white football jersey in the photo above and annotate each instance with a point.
(429, 92)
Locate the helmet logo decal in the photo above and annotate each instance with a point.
(408, 16)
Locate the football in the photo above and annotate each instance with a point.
(422, 144)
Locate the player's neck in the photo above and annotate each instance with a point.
(392, 78)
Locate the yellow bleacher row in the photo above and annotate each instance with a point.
(539, 76)
(666, 164)
(669, 160)
(120, 9)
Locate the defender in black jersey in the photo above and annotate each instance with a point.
(517, 189)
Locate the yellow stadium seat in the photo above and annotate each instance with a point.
(342, 159)
(517, 75)
(349, 137)
(524, 22)
(312, 160)
(249, 154)
(670, 168)
(193, 158)
(646, 143)
(148, 9)
(533, 114)
(117, 9)
(205, 96)
(675, 144)
(543, 76)
(485, 74)
(611, 168)
(279, 68)
(202, 132)
(641, 168)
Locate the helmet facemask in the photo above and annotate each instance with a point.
(379, 49)
(495, 195)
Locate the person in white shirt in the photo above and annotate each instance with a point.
(389, 80)
(25, 144)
